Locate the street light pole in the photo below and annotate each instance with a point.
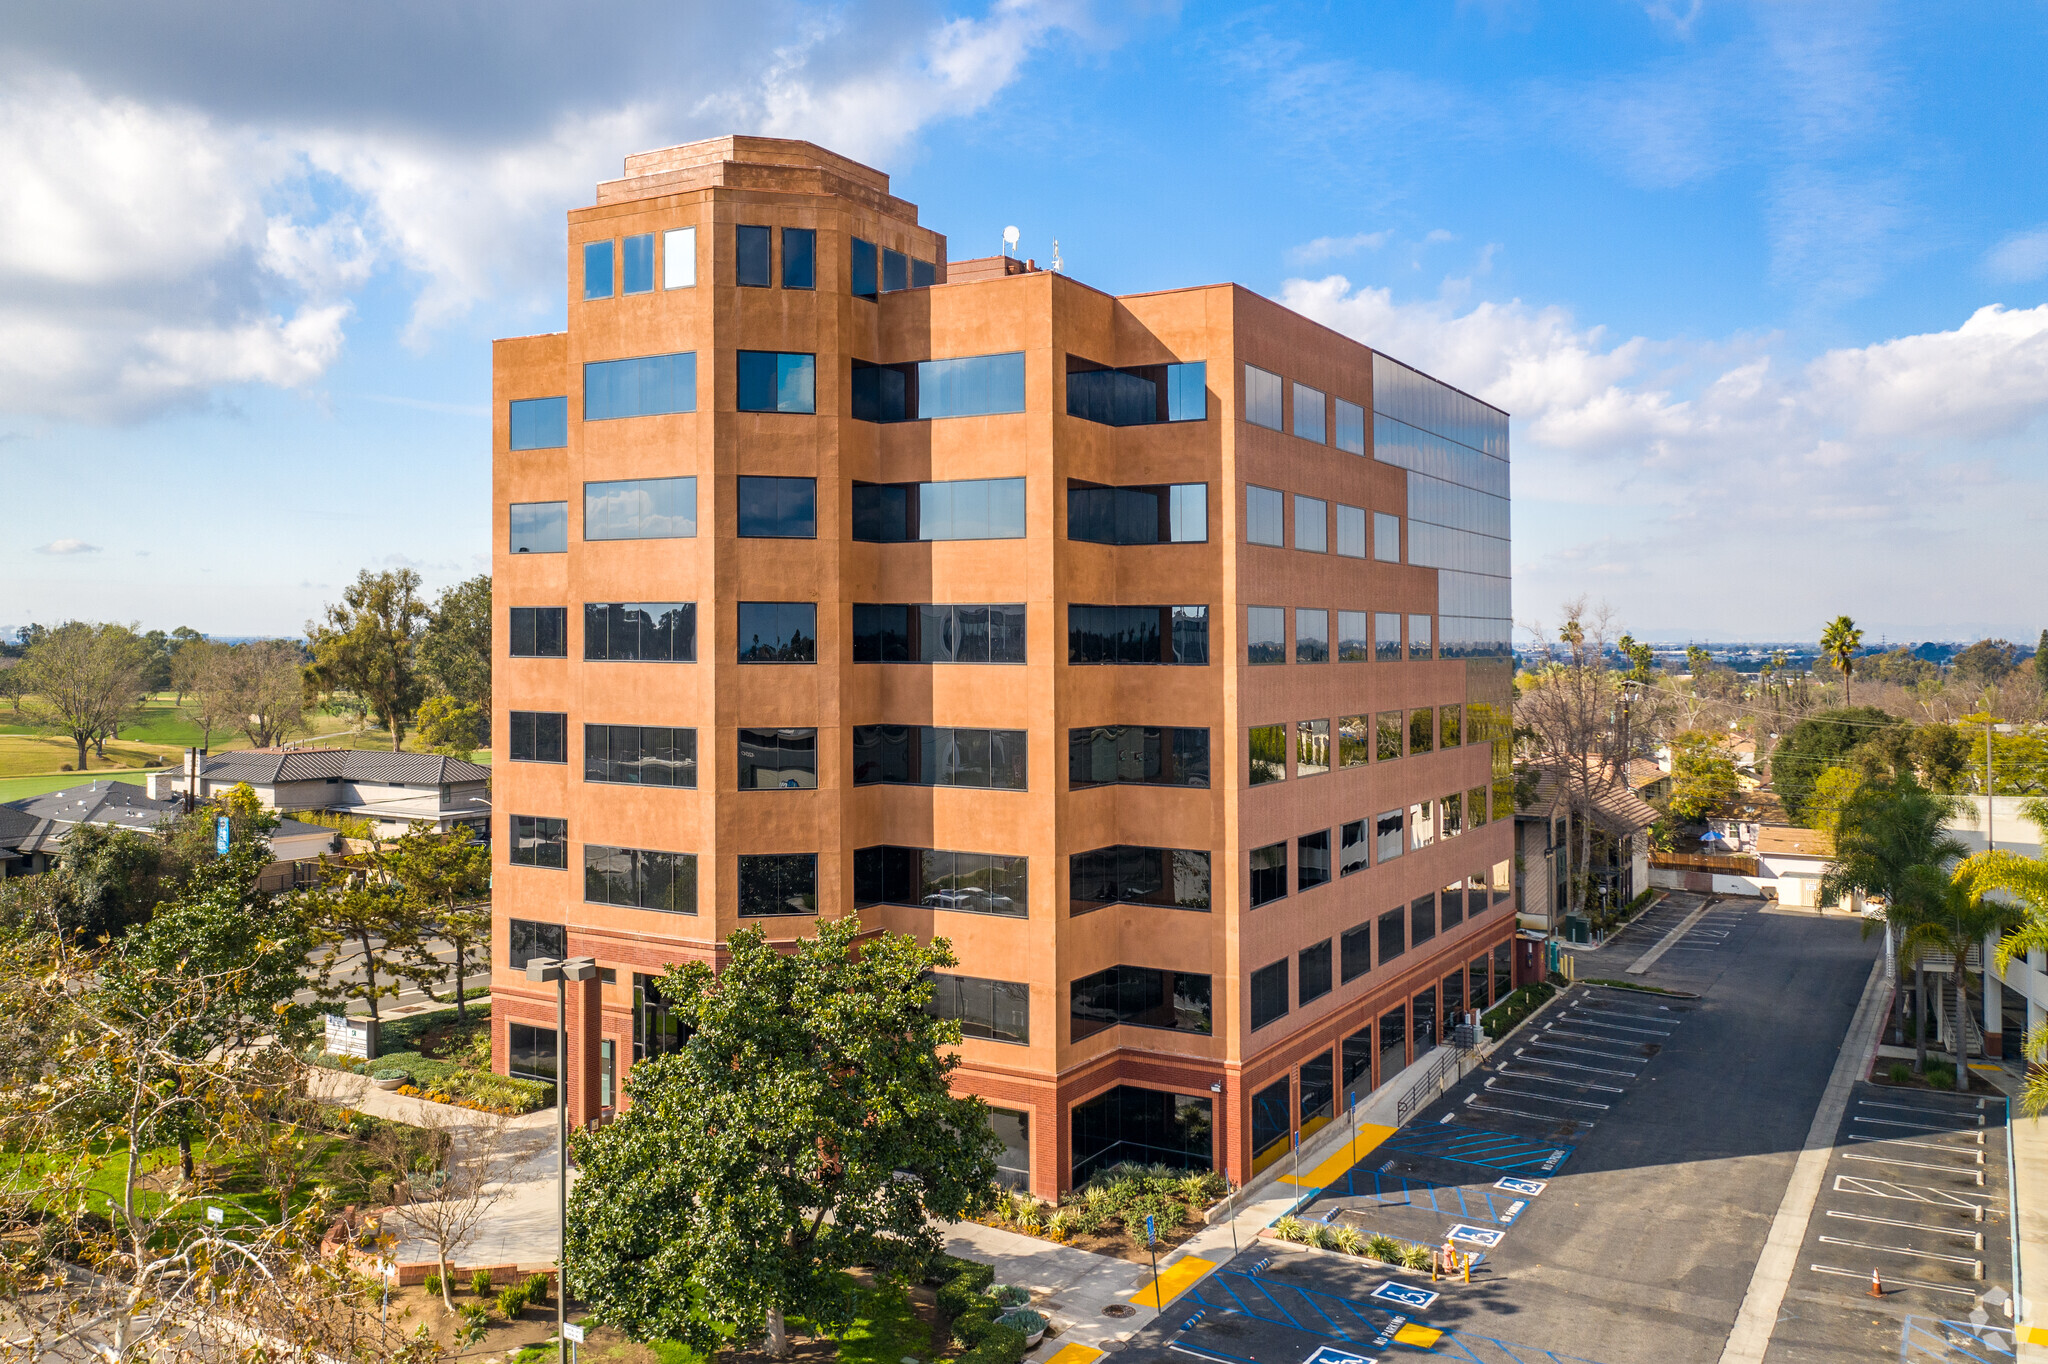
(561, 972)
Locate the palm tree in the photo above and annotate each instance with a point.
(1839, 642)
(1951, 917)
(1885, 829)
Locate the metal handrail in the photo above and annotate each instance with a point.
(1451, 1057)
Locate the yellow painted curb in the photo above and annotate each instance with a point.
(2036, 1336)
(1370, 1135)
(1077, 1353)
(1177, 1279)
(1421, 1337)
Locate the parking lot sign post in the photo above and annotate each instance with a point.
(1152, 1245)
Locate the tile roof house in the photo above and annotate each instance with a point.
(392, 790)
(32, 828)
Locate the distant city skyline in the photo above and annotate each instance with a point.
(1768, 307)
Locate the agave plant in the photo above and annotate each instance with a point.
(1322, 1236)
(1350, 1240)
(1291, 1229)
(1383, 1248)
(1417, 1257)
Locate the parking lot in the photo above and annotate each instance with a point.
(1617, 1165)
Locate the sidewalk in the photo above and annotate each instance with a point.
(2028, 1138)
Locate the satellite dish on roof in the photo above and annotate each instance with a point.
(1010, 237)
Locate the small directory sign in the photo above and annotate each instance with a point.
(1408, 1295)
(571, 1331)
(1530, 1187)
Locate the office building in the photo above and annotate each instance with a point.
(1153, 650)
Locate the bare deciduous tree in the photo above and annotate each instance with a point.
(1568, 710)
(443, 1188)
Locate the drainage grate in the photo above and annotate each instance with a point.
(1119, 1309)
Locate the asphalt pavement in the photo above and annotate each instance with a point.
(1617, 1166)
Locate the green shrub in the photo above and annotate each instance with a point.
(475, 1313)
(1010, 1295)
(537, 1286)
(1350, 1240)
(388, 1073)
(1941, 1076)
(480, 1283)
(1383, 1248)
(1322, 1236)
(512, 1301)
(1900, 1073)
(433, 1285)
(1023, 1319)
(1416, 1257)
(1291, 1228)
(1001, 1345)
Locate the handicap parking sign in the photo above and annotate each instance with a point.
(1531, 1187)
(1474, 1235)
(1408, 1295)
(1330, 1354)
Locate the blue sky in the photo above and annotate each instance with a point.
(1765, 287)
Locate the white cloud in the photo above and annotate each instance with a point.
(2021, 258)
(67, 547)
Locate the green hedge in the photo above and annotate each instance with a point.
(1505, 1016)
(404, 1034)
(963, 1296)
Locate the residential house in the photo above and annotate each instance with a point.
(31, 829)
(391, 790)
(1543, 824)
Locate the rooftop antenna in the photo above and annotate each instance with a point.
(1010, 236)
(1055, 254)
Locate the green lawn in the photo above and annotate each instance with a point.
(19, 788)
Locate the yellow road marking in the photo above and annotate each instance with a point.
(1077, 1353)
(1370, 1135)
(1177, 1279)
(1421, 1337)
(2036, 1336)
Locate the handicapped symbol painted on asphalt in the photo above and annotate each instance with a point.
(1474, 1235)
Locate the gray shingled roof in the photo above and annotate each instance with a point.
(119, 803)
(347, 764)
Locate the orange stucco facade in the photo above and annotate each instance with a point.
(1048, 318)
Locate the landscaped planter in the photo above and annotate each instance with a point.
(389, 1082)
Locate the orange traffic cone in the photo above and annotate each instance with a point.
(1876, 1285)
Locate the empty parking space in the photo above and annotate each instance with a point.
(1908, 1246)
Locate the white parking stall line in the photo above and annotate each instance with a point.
(1589, 1037)
(1896, 1283)
(1537, 1077)
(1911, 1126)
(1917, 1165)
(1492, 1088)
(1568, 1065)
(1585, 1051)
(1904, 1250)
(1590, 1020)
(1975, 1238)
(1912, 1193)
(1550, 1119)
(1963, 1113)
(1861, 1140)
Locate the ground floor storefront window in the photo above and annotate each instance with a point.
(1147, 1126)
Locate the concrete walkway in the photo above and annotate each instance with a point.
(2028, 1138)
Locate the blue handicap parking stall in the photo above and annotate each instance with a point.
(1923, 1340)
(1387, 1190)
(1404, 1295)
(1489, 1150)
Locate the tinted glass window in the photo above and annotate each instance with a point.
(1267, 751)
(1355, 848)
(538, 841)
(540, 528)
(862, 275)
(1388, 838)
(1176, 878)
(973, 386)
(778, 883)
(923, 274)
(938, 633)
(922, 755)
(1187, 392)
(1262, 398)
(778, 759)
(895, 271)
(540, 632)
(1269, 874)
(1138, 634)
(1386, 637)
(638, 878)
(531, 1052)
(1418, 637)
(1264, 516)
(1355, 952)
(1390, 734)
(1350, 427)
(538, 736)
(1269, 994)
(527, 940)
(1308, 413)
(1311, 747)
(1393, 934)
(644, 387)
(637, 264)
(679, 258)
(1350, 531)
(1265, 634)
(1314, 968)
(597, 269)
(640, 632)
(1421, 732)
(1450, 725)
(1311, 525)
(1422, 919)
(1354, 740)
(640, 509)
(1311, 636)
(771, 381)
(970, 509)
(937, 878)
(1137, 755)
(778, 632)
(1354, 636)
(778, 507)
(750, 257)
(799, 258)
(1386, 537)
(640, 755)
(1139, 997)
(540, 423)
(993, 1010)
(1146, 1126)
(1313, 866)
